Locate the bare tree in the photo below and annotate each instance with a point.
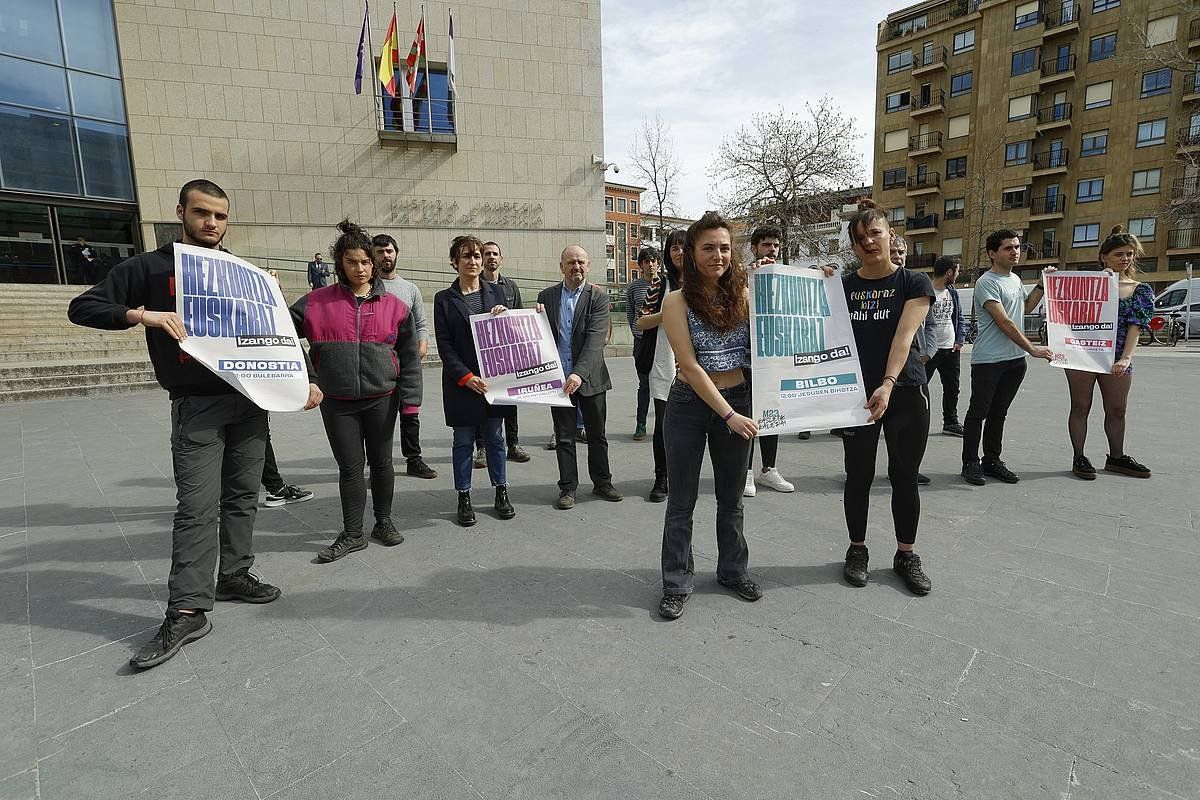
(781, 168)
(982, 204)
(654, 161)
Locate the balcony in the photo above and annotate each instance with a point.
(926, 183)
(1048, 207)
(1185, 189)
(1061, 20)
(908, 27)
(920, 260)
(935, 102)
(1058, 69)
(1050, 162)
(427, 123)
(1189, 139)
(925, 144)
(1183, 240)
(1044, 253)
(1194, 34)
(915, 226)
(1055, 116)
(1191, 87)
(929, 60)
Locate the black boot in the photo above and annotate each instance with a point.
(466, 514)
(503, 507)
(658, 493)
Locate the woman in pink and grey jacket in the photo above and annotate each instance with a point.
(363, 346)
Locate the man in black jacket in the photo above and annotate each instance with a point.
(218, 436)
(578, 313)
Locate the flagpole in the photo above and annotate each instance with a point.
(428, 85)
(374, 69)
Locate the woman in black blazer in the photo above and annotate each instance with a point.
(462, 389)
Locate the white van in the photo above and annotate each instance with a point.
(1176, 298)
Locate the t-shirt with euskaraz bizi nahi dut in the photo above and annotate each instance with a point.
(991, 343)
(875, 307)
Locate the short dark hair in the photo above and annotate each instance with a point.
(944, 264)
(498, 250)
(647, 254)
(383, 240)
(458, 243)
(204, 186)
(996, 238)
(765, 232)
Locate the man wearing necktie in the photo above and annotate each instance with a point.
(579, 314)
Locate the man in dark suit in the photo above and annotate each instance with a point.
(579, 315)
(318, 271)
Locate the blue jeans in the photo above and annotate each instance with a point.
(464, 451)
(690, 425)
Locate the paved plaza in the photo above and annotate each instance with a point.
(1055, 658)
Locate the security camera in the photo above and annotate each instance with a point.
(615, 168)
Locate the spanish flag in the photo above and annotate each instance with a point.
(389, 59)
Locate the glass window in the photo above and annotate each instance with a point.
(1102, 47)
(1098, 95)
(956, 167)
(1156, 82)
(961, 83)
(895, 140)
(94, 96)
(633, 206)
(634, 232)
(1014, 198)
(1094, 144)
(608, 203)
(893, 178)
(1016, 153)
(958, 126)
(1090, 191)
(896, 215)
(899, 62)
(621, 231)
(1161, 30)
(37, 152)
(1151, 132)
(620, 205)
(608, 227)
(1143, 228)
(1147, 181)
(954, 207)
(964, 41)
(104, 152)
(1104, 5)
(25, 83)
(897, 101)
(1085, 235)
(91, 36)
(1020, 107)
(30, 28)
(1024, 61)
(1027, 15)
(952, 246)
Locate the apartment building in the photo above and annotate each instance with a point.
(1057, 119)
(622, 231)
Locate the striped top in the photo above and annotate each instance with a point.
(719, 351)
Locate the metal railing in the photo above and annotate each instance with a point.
(959, 8)
(1048, 204)
(917, 223)
(1050, 159)
(929, 180)
(925, 141)
(417, 115)
(936, 98)
(1189, 137)
(1183, 238)
(929, 56)
(1194, 30)
(1059, 65)
(1059, 112)
(1056, 18)
(1045, 250)
(920, 260)
(1181, 187)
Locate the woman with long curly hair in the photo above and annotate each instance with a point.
(707, 324)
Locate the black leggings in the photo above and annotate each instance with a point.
(770, 450)
(905, 427)
(660, 449)
(356, 428)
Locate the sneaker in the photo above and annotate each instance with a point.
(838, 432)
(772, 479)
(855, 571)
(504, 508)
(343, 545)
(923, 479)
(1126, 466)
(804, 435)
(953, 429)
(743, 587)
(608, 492)
(419, 469)
(288, 494)
(908, 567)
(552, 444)
(671, 606)
(581, 435)
(385, 531)
(177, 630)
(972, 473)
(751, 490)
(465, 515)
(639, 433)
(245, 586)
(518, 454)
(1083, 468)
(1000, 471)
(658, 493)
(480, 459)
(565, 502)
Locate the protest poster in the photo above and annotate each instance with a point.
(239, 326)
(1081, 319)
(804, 360)
(518, 359)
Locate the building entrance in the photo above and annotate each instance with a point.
(43, 243)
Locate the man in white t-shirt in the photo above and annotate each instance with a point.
(944, 337)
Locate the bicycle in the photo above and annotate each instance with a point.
(1165, 330)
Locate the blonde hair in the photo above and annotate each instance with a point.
(1119, 238)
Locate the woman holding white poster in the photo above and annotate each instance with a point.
(1119, 253)
(887, 305)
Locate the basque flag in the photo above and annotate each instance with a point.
(362, 51)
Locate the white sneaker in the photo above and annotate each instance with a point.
(776, 481)
(750, 489)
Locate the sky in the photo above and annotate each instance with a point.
(707, 66)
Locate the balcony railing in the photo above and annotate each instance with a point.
(937, 98)
(1194, 30)
(1049, 204)
(1182, 238)
(919, 223)
(908, 27)
(1043, 251)
(1065, 15)
(929, 56)
(930, 180)
(1189, 137)
(1059, 112)
(1185, 187)
(925, 141)
(416, 120)
(1050, 159)
(1059, 65)
(920, 260)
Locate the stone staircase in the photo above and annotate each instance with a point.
(43, 356)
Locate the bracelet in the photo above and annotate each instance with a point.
(141, 317)
(725, 418)
(888, 378)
